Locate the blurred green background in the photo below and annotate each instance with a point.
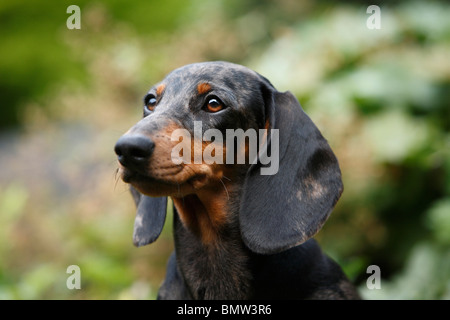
(381, 98)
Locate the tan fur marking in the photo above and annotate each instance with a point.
(203, 213)
(315, 189)
(160, 89)
(203, 88)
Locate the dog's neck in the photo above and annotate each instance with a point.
(214, 207)
(204, 214)
(207, 238)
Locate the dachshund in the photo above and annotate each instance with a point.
(239, 233)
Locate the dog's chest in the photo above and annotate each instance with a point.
(219, 272)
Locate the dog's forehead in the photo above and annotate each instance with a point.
(222, 74)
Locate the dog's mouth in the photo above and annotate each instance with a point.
(197, 181)
(178, 183)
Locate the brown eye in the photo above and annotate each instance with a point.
(150, 102)
(214, 105)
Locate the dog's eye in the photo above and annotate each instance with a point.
(150, 102)
(214, 105)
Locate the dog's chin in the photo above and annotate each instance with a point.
(157, 187)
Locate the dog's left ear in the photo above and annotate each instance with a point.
(150, 217)
(287, 208)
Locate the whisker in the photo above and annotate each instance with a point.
(116, 178)
(228, 196)
(226, 178)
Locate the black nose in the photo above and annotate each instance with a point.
(134, 150)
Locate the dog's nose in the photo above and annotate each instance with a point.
(134, 150)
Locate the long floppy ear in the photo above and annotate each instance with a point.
(285, 209)
(150, 218)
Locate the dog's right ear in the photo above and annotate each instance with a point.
(286, 208)
(150, 217)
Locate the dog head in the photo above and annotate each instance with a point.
(187, 118)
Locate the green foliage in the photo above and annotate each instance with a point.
(381, 98)
(438, 219)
